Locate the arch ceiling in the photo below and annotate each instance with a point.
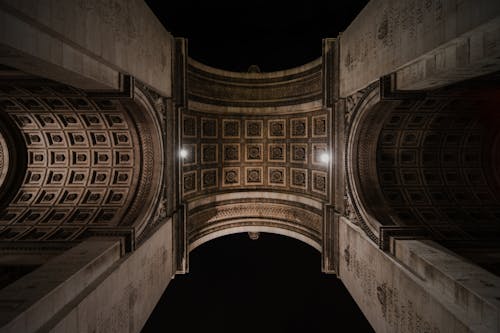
(84, 164)
(254, 144)
(429, 160)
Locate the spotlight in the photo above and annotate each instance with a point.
(183, 153)
(324, 157)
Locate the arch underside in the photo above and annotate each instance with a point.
(293, 216)
(428, 160)
(254, 142)
(88, 164)
(242, 227)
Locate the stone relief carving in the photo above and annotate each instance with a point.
(395, 307)
(189, 182)
(319, 126)
(277, 152)
(299, 127)
(188, 126)
(216, 89)
(231, 128)
(3, 159)
(352, 110)
(161, 212)
(209, 153)
(250, 141)
(254, 175)
(208, 128)
(231, 152)
(319, 181)
(299, 216)
(277, 128)
(209, 178)
(253, 128)
(276, 176)
(231, 176)
(352, 102)
(71, 154)
(299, 178)
(350, 213)
(254, 152)
(299, 152)
(120, 21)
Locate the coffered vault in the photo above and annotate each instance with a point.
(254, 144)
(382, 154)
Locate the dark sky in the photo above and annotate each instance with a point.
(274, 284)
(272, 34)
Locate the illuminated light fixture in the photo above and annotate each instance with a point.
(183, 153)
(324, 157)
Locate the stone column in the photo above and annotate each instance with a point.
(418, 287)
(30, 302)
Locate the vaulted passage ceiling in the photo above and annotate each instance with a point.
(436, 167)
(432, 161)
(257, 151)
(70, 163)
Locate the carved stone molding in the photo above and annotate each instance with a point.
(155, 145)
(4, 159)
(354, 101)
(158, 101)
(283, 215)
(211, 86)
(290, 91)
(350, 211)
(356, 106)
(260, 153)
(387, 233)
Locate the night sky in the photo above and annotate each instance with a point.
(273, 284)
(274, 35)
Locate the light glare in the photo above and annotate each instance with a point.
(325, 157)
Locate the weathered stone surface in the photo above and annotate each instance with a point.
(86, 43)
(426, 41)
(404, 296)
(255, 146)
(29, 303)
(123, 298)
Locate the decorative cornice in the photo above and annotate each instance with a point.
(126, 90)
(386, 233)
(211, 86)
(127, 234)
(389, 92)
(281, 215)
(354, 105)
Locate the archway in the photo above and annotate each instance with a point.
(272, 284)
(254, 229)
(75, 164)
(424, 164)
